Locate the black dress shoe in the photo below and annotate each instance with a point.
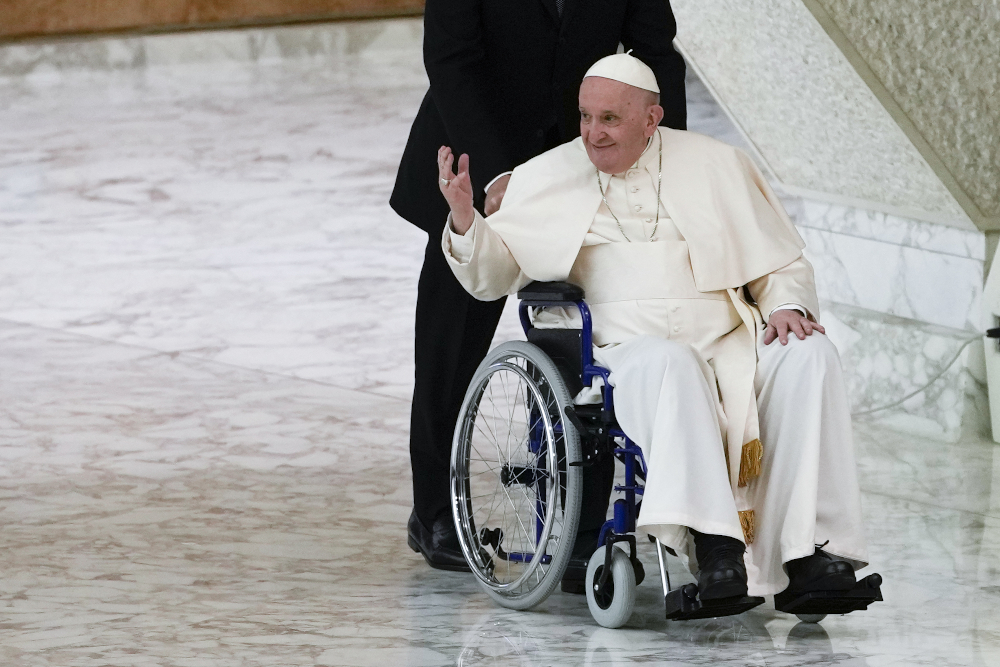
(820, 572)
(721, 571)
(438, 544)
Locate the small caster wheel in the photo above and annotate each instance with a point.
(810, 618)
(612, 605)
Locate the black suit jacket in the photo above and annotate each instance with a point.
(505, 76)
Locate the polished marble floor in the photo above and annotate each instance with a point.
(205, 315)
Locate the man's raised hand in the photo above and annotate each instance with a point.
(456, 188)
(782, 322)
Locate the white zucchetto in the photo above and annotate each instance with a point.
(625, 68)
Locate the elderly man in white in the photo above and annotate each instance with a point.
(680, 246)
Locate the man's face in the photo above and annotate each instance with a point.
(616, 121)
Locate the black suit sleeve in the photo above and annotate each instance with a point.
(649, 30)
(462, 86)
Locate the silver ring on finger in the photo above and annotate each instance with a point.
(445, 181)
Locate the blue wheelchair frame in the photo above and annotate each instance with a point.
(626, 510)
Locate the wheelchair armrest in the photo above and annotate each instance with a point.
(570, 349)
(554, 291)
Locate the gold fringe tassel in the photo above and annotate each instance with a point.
(749, 524)
(750, 461)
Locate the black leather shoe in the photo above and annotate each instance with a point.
(438, 545)
(576, 571)
(820, 572)
(721, 571)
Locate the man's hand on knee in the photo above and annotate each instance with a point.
(784, 321)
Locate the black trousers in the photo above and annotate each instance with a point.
(452, 336)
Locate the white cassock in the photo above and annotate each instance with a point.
(695, 387)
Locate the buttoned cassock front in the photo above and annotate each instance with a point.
(662, 274)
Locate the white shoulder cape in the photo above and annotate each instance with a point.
(734, 225)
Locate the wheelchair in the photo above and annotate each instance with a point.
(516, 478)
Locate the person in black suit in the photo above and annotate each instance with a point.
(504, 77)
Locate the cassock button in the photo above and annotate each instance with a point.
(649, 221)
(635, 189)
(638, 208)
(631, 174)
(676, 329)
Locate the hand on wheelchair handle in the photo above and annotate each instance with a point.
(456, 188)
(495, 194)
(783, 322)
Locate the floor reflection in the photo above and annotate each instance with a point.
(495, 643)
(748, 639)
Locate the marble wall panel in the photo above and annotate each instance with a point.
(922, 285)
(918, 377)
(940, 61)
(888, 228)
(805, 109)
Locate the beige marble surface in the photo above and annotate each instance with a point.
(160, 509)
(205, 321)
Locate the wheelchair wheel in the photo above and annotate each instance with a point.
(612, 605)
(515, 498)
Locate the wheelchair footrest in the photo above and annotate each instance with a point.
(683, 604)
(865, 592)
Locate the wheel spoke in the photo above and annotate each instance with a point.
(486, 419)
(515, 408)
(514, 506)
